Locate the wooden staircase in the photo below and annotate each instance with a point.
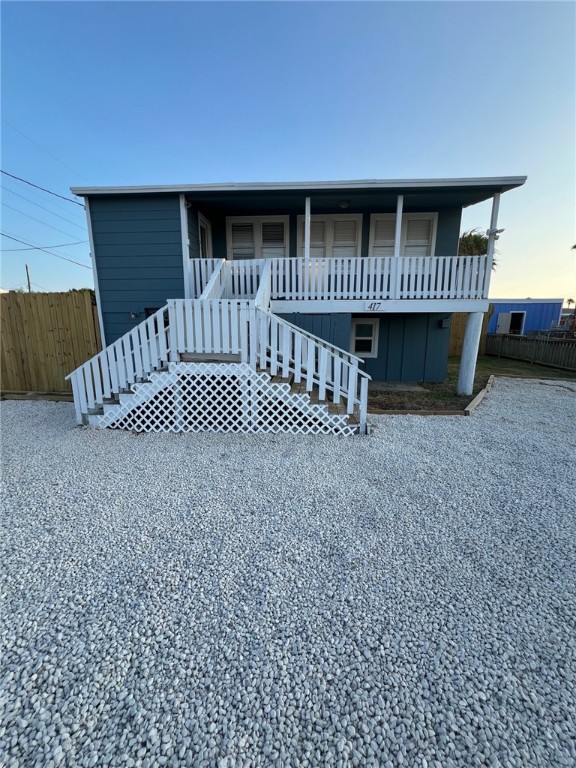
(222, 366)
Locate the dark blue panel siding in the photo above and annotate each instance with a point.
(138, 251)
(448, 232)
(332, 328)
(218, 236)
(539, 316)
(411, 348)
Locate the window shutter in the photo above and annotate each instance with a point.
(418, 237)
(345, 238)
(317, 239)
(273, 242)
(243, 241)
(384, 236)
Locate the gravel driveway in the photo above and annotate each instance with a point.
(403, 599)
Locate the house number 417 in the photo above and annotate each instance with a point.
(373, 306)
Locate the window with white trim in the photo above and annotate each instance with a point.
(334, 235)
(257, 237)
(417, 238)
(364, 341)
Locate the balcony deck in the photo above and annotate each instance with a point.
(336, 284)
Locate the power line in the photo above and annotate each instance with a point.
(69, 199)
(38, 194)
(35, 218)
(64, 258)
(80, 226)
(40, 247)
(43, 148)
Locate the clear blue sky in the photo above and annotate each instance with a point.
(157, 93)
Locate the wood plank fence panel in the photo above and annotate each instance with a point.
(45, 336)
(558, 353)
(457, 328)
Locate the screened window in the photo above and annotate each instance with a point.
(365, 337)
(260, 237)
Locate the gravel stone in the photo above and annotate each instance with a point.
(405, 598)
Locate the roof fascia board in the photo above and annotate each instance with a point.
(375, 184)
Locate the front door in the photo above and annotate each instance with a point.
(205, 237)
(503, 322)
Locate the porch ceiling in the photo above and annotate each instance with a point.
(274, 202)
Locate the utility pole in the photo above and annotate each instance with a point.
(28, 279)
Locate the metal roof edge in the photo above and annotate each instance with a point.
(525, 301)
(489, 181)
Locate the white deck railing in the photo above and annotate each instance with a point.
(380, 277)
(200, 273)
(221, 326)
(370, 278)
(243, 278)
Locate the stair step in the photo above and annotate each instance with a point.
(209, 357)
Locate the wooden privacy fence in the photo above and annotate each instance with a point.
(457, 328)
(45, 336)
(558, 353)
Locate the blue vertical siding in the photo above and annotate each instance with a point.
(138, 253)
(448, 231)
(332, 328)
(539, 316)
(411, 347)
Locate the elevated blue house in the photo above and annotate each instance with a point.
(300, 291)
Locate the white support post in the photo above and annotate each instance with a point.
(307, 229)
(469, 353)
(492, 236)
(474, 322)
(185, 248)
(397, 244)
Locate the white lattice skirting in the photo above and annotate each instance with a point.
(217, 397)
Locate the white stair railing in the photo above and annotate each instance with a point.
(200, 272)
(221, 326)
(243, 278)
(216, 285)
(286, 350)
(129, 359)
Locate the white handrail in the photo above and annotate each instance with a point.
(263, 294)
(262, 302)
(215, 286)
(220, 326)
(129, 359)
(201, 271)
(285, 348)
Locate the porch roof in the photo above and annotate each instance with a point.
(420, 193)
